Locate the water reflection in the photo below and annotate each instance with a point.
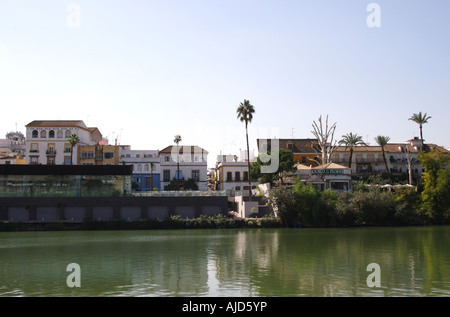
(259, 262)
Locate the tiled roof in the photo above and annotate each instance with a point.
(330, 166)
(57, 123)
(194, 149)
(363, 148)
(297, 145)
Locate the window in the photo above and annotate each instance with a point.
(34, 147)
(138, 155)
(43, 134)
(68, 134)
(303, 159)
(196, 175)
(237, 176)
(67, 148)
(245, 176)
(87, 154)
(50, 161)
(148, 182)
(229, 176)
(51, 134)
(166, 175)
(34, 160)
(51, 149)
(166, 158)
(146, 167)
(127, 155)
(138, 167)
(238, 188)
(59, 134)
(34, 134)
(109, 155)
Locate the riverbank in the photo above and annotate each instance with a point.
(174, 222)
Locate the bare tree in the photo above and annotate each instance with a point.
(325, 139)
(408, 159)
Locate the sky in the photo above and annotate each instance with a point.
(144, 71)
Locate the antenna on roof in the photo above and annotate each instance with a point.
(120, 135)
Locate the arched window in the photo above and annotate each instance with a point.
(51, 134)
(59, 134)
(43, 134)
(34, 134)
(68, 134)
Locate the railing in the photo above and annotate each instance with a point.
(181, 193)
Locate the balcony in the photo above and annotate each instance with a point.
(50, 152)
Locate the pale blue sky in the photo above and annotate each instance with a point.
(148, 70)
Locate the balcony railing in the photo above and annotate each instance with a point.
(51, 152)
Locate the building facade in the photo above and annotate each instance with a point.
(328, 176)
(146, 168)
(231, 174)
(191, 161)
(305, 150)
(47, 141)
(99, 154)
(400, 157)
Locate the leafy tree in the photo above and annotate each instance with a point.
(284, 203)
(316, 208)
(190, 184)
(436, 185)
(286, 165)
(245, 113)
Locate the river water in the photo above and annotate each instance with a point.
(413, 261)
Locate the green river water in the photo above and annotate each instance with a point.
(413, 261)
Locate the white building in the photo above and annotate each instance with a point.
(191, 162)
(328, 176)
(146, 167)
(47, 141)
(12, 149)
(232, 174)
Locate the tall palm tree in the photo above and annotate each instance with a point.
(245, 114)
(73, 141)
(351, 140)
(420, 120)
(178, 140)
(382, 141)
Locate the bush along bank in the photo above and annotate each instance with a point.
(173, 222)
(365, 206)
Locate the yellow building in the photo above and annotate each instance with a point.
(99, 154)
(305, 150)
